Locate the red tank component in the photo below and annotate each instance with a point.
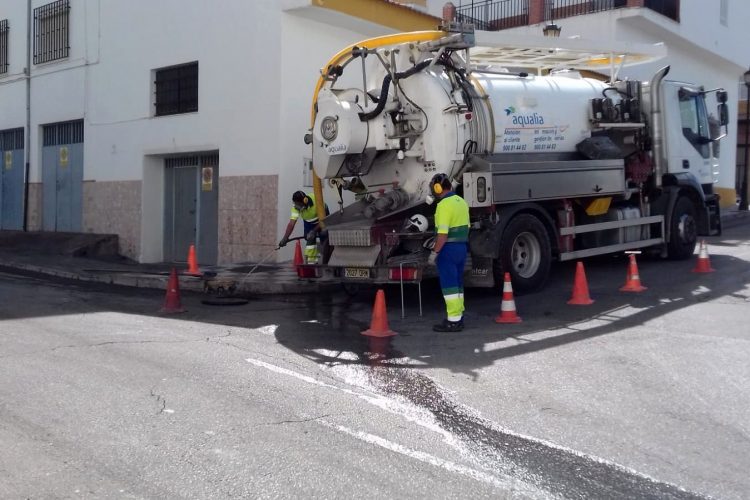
(638, 167)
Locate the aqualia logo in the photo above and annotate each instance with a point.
(524, 120)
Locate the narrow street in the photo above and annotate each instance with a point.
(636, 396)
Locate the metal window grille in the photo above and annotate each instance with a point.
(494, 15)
(4, 46)
(11, 139)
(205, 160)
(63, 133)
(51, 31)
(176, 89)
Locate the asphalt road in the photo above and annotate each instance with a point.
(635, 396)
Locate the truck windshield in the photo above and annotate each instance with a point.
(695, 121)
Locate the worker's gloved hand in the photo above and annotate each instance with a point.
(311, 235)
(283, 241)
(432, 258)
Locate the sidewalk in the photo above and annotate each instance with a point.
(53, 254)
(89, 257)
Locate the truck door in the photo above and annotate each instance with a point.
(687, 132)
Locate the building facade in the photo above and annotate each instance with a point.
(706, 42)
(167, 123)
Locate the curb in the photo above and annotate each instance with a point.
(187, 283)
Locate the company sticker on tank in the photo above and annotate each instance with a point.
(530, 132)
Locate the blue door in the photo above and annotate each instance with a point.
(62, 177)
(191, 207)
(11, 179)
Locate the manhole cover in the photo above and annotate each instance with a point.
(225, 301)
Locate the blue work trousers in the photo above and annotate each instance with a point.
(450, 263)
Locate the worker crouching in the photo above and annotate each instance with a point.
(303, 205)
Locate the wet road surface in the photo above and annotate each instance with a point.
(635, 396)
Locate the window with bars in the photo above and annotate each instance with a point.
(11, 139)
(4, 46)
(63, 133)
(51, 31)
(176, 89)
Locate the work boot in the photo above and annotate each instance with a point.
(449, 326)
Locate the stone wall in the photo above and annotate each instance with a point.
(115, 208)
(247, 217)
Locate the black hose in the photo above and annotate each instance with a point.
(381, 101)
(386, 86)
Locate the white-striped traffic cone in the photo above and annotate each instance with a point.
(703, 265)
(508, 305)
(633, 279)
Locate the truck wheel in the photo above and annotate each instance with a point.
(525, 252)
(683, 230)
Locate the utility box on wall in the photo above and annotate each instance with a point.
(307, 172)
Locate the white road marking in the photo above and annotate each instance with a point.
(436, 462)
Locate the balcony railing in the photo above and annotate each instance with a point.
(570, 8)
(495, 15)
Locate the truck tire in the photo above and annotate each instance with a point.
(525, 252)
(683, 230)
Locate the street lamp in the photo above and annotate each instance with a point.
(551, 29)
(743, 193)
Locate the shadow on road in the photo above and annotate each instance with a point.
(326, 327)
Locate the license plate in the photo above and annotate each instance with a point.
(356, 272)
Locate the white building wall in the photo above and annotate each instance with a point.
(258, 65)
(13, 83)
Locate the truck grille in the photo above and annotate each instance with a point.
(350, 237)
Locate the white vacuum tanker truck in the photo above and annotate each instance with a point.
(554, 165)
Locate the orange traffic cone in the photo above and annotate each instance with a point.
(580, 288)
(633, 280)
(192, 263)
(379, 323)
(172, 298)
(298, 260)
(508, 305)
(703, 265)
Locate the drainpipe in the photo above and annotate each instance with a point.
(657, 126)
(27, 148)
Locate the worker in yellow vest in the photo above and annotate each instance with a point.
(303, 205)
(450, 250)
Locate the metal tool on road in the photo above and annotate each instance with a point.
(226, 286)
(265, 259)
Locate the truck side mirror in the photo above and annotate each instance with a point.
(722, 96)
(723, 114)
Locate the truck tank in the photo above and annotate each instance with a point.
(400, 135)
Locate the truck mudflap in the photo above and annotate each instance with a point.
(478, 272)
